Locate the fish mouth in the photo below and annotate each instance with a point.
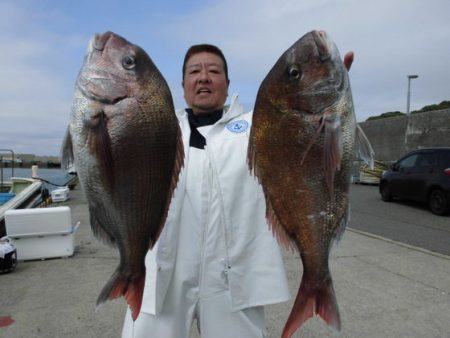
(99, 42)
(95, 81)
(101, 86)
(323, 44)
(324, 91)
(93, 95)
(100, 98)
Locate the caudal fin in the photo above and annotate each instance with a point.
(132, 289)
(319, 300)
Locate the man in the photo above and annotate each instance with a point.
(216, 260)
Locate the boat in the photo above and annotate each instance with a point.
(23, 193)
(19, 192)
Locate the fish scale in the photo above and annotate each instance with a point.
(126, 144)
(301, 148)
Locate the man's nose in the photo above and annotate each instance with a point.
(204, 76)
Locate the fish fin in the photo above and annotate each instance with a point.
(332, 150)
(364, 149)
(309, 302)
(337, 236)
(251, 153)
(131, 289)
(100, 232)
(178, 164)
(99, 145)
(66, 154)
(313, 139)
(278, 231)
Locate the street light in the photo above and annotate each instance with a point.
(409, 91)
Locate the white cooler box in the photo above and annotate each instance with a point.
(41, 233)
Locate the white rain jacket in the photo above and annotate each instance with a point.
(255, 269)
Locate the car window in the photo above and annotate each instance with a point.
(408, 162)
(425, 160)
(445, 159)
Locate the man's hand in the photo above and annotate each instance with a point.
(348, 60)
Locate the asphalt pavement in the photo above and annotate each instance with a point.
(384, 289)
(403, 221)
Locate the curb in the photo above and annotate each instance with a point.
(412, 247)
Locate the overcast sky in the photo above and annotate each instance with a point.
(43, 43)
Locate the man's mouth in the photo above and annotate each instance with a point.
(203, 90)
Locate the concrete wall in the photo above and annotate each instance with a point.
(392, 137)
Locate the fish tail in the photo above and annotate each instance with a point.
(121, 285)
(319, 301)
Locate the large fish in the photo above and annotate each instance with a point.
(301, 149)
(125, 141)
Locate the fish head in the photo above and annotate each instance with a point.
(114, 69)
(119, 95)
(118, 85)
(307, 95)
(308, 78)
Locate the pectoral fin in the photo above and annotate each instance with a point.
(99, 144)
(363, 147)
(99, 219)
(332, 150)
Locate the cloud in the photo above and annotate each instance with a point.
(390, 38)
(35, 96)
(43, 47)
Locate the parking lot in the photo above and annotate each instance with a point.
(383, 288)
(406, 222)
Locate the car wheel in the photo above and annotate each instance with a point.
(438, 202)
(385, 192)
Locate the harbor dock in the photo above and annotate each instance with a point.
(383, 288)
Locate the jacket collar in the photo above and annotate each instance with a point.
(234, 109)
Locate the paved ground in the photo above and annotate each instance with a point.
(403, 221)
(384, 289)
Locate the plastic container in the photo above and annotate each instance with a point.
(41, 233)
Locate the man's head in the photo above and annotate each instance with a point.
(205, 78)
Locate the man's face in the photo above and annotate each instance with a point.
(205, 84)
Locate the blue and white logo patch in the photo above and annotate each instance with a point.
(237, 126)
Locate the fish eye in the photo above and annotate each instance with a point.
(128, 62)
(294, 73)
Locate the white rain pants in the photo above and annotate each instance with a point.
(199, 285)
(214, 320)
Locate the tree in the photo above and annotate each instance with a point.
(386, 115)
(432, 107)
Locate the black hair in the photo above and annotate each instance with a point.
(195, 49)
